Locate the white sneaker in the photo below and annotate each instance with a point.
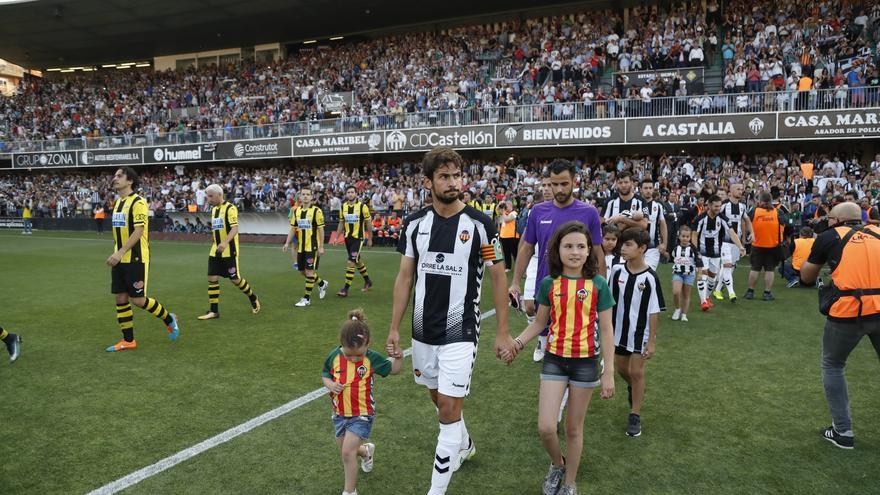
(303, 303)
(676, 314)
(538, 355)
(367, 462)
(465, 455)
(322, 289)
(684, 317)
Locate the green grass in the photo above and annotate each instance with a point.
(734, 400)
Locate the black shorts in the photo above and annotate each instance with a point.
(129, 278)
(764, 258)
(223, 267)
(579, 372)
(307, 260)
(353, 247)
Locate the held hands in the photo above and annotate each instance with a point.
(114, 259)
(506, 350)
(513, 291)
(392, 345)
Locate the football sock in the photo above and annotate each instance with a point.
(125, 317)
(701, 288)
(310, 284)
(711, 283)
(349, 276)
(245, 287)
(214, 296)
(363, 269)
(727, 278)
(159, 311)
(465, 437)
(448, 442)
(3, 334)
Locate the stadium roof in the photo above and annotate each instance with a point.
(50, 33)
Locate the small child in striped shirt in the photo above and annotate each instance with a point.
(348, 375)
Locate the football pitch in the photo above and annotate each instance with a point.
(734, 401)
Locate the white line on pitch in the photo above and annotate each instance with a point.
(221, 438)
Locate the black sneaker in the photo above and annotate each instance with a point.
(13, 346)
(819, 283)
(750, 294)
(837, 439)
(768, 296)
(635, 426)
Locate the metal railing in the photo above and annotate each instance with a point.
(783, 100)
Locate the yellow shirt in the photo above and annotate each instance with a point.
(356, 217)
(223, 218)
(307, 222)
(129, 213)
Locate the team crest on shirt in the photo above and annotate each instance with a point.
(361, 371)
(464, 236)
(642, 287)
(582, 295)
(138, 285)
(418, 373)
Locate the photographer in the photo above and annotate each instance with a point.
(851, 302)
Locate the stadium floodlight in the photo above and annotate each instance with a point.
(67, 70)
(336, 38)
(145, 64)
(308, 42)
(53, 70)
(108, 66)
(10, 2)
(124, 66)
(76, 68)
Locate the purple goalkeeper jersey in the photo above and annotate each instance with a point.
(546, 217)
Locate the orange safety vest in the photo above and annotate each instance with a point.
(394, 222)
(856, 276)
(100, 214)
(807, 169)
(802, 248)
(767, 228)
(508, 230)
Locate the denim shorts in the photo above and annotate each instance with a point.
(358, 425)
(579, 372)
(685, 279)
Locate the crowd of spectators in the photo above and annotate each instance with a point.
(681, 180)
(555, 62)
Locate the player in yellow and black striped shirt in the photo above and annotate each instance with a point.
(354, 226)
(131, 261)
(307, 223)
(223, 259)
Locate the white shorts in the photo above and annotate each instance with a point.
(445, 368)
(531, 276)
(711, 264)
(652, 258)
(730, 253)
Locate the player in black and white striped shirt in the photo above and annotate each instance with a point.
(685, 263)
(445, 248)
(621, 211)
(735, 213)
(655, 214)
(638, 301)
(711, 228)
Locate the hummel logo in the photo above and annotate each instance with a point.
(424, 233)
(457, 385)
(546, 221)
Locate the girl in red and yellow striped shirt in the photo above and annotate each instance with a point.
(348, 375)
(577, 303)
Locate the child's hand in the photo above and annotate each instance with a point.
(648, 351)
(336, 388)
(607, 382)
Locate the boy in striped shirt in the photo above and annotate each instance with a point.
(348, 375)
(636, 289)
